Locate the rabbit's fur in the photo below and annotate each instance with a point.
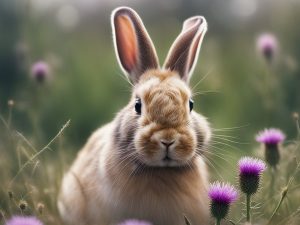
(145, 164)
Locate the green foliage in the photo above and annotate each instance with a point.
(233, 86)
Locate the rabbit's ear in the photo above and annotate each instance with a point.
(134, 48)
(183, 55)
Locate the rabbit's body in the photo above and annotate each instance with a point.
(161, 196)
(148, 162)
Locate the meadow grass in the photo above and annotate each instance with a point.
(31, 177)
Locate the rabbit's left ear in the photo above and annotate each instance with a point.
(134, 48)
(183, 54)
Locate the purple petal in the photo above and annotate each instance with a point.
(267, 44)
(270, 136)
(222, 193)
(40, 71)
(251, 166)
(135, 222)
(22, 220)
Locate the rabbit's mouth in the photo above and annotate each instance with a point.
(162, 161)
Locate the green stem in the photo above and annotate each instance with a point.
(283, 195)
(218, 222)
(40, 152)
(9, 117)
(248, 202)
(272, 182)
(298, 127)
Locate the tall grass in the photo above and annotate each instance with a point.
(31, 177)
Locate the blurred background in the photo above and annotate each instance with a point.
(239, 88)
(57, 63)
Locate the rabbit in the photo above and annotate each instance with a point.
(148, 163)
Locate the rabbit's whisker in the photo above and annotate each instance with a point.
(219, 154)
(202, 79)
(228, 140)
(229, 128)
(212, 165)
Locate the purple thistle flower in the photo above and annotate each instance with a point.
(221, 195)
(267, 45)
(250, 170)
(271, 136)
(22, 220)
(40, 71)
(251, 166)
(135, 222)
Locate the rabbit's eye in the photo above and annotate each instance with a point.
(138, 106)
(191, 103)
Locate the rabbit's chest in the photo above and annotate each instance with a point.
(157, 202)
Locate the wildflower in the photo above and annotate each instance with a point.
(267, 45)
(40, 71)
(271, 138)
(250, 170)
(221, 195)
(135, 222)
(22, 220)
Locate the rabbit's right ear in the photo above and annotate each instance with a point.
(134, 48)
(184, 52)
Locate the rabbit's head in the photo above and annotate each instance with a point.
(159, 124)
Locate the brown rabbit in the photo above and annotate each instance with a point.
(147, 163)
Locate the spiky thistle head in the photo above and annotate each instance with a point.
(221, 196)
(271, 138)
(250, 170)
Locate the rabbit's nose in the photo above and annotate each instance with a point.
(167, 143)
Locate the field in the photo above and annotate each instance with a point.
(60, 80)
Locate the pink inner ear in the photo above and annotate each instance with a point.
(194, 49)
(126, 42)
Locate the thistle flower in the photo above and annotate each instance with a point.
(221, 195)
(271, 138)
(135, 222)
(40, 71)
(22, 220)
(250, 170)
(267, 45)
